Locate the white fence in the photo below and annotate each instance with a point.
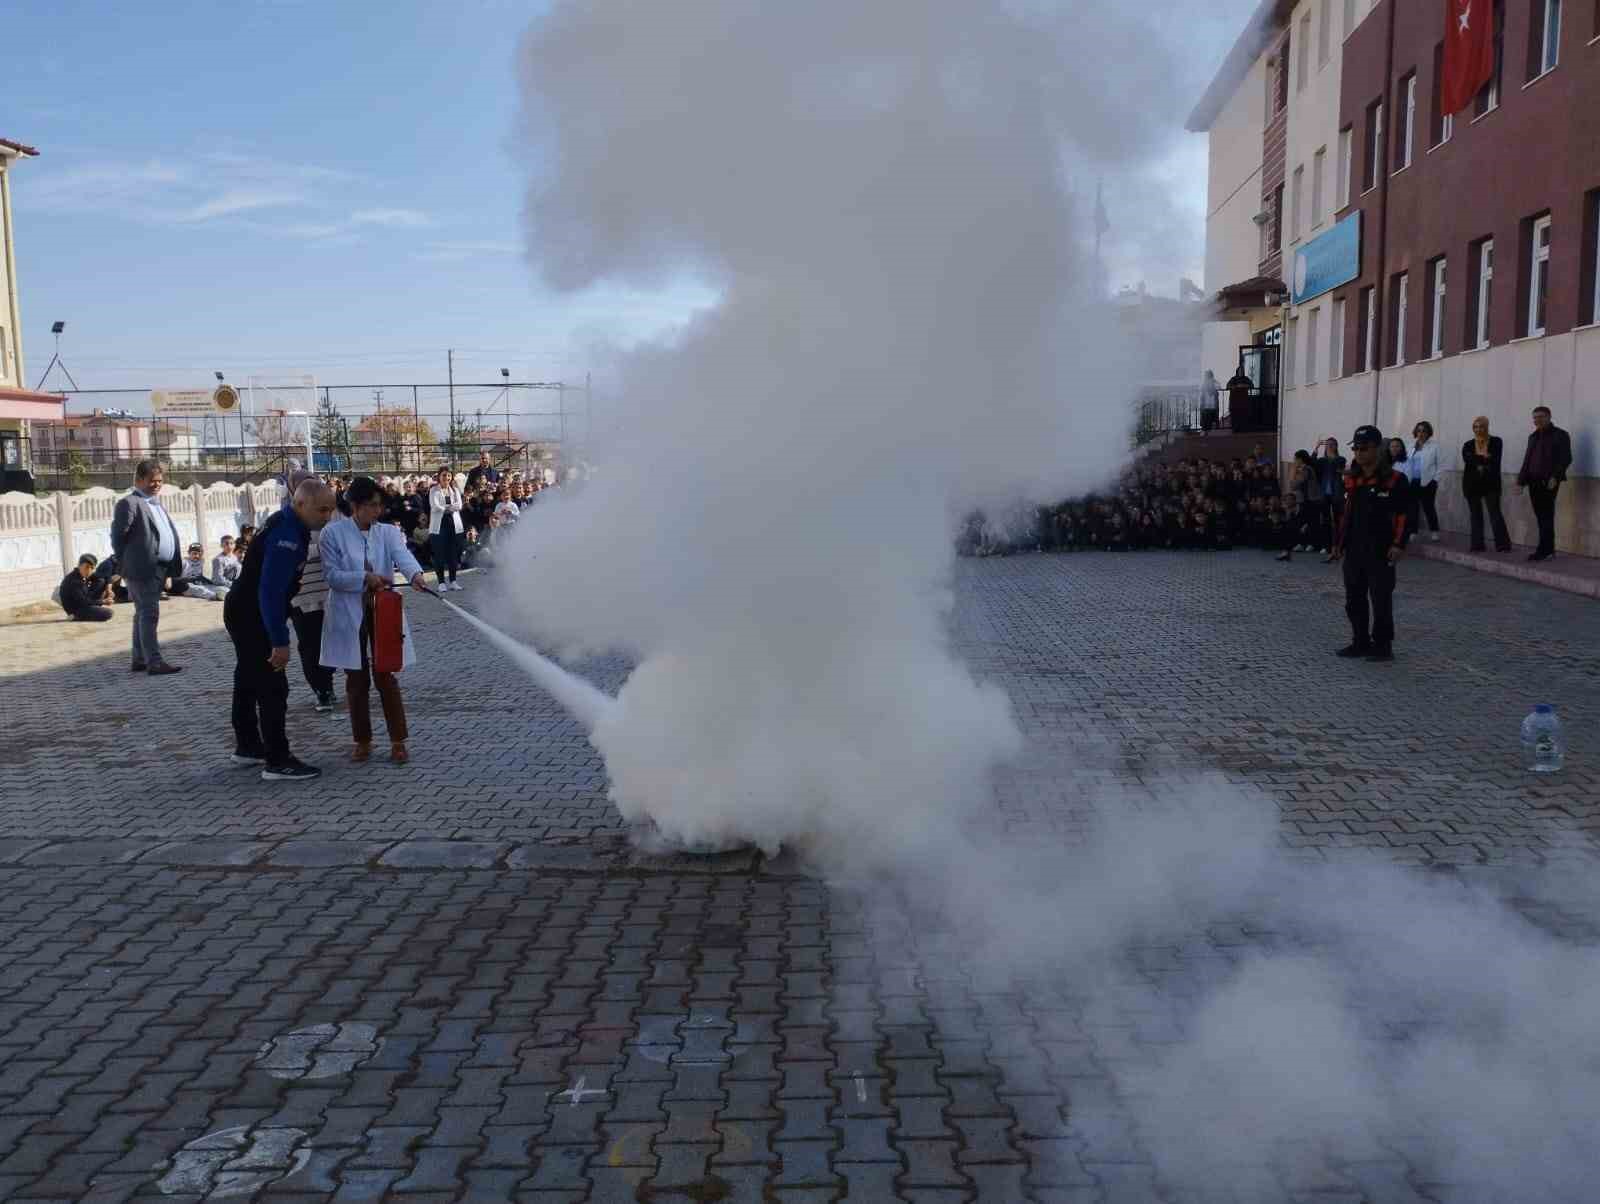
(42, 538)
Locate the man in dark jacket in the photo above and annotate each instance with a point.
(82, 593)
(1370, 541)
(256, 614)
(1544, 467)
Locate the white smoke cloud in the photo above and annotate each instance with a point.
(909, 321)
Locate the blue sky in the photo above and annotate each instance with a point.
(300, 186)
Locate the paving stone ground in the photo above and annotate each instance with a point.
(454, 981)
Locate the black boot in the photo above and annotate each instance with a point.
(1354, 649)
(1381, 654)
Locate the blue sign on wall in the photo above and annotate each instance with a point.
(1329, 260)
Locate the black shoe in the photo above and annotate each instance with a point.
(326, 701)
(163, 670)
(245, 756)
(1382, 654)
(1351, 651)
(1507, 548)
(290, 771)
(138, 667)
(1540, 555)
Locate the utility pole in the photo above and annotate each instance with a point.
(450, 362)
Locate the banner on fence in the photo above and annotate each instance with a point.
(193, 403)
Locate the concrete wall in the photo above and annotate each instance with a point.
(1503, 383)
(1233, 188)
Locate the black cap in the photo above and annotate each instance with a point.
(1366, 434)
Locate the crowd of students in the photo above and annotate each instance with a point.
(1193, 505)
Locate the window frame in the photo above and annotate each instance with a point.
(1313, 330)
(1539, 275)
(1319, 172)
(1297, 200)
(1324, 34)
(1336, 339)
(1302, 60)
(1367, 332)
(1544, 47)
(1438, 285)
(1291, 350)
(1346, 165)
(1589, 277)
(1406, 134)
(1373, 169)
(1483, 256)
(1400, 289)
(1488, 97)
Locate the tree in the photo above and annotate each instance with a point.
(391, 437)
(331, 434)
(465, 438)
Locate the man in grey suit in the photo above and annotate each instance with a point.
(145, 540)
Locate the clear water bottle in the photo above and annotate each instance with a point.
(1543, 746)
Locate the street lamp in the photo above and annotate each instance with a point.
(505, 375)
(219, 377)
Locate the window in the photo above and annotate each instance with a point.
(1296, 205)
(1399, 296)
(1347, 147)
(1436, 275)
(1336, 342)
(1312, 333)
(1324, 33)
(1303, 58)
(1280, 97)
(1318, 170)
(1408, 122)
(1481, 302)
(1291, 346)
(1489, 95)
(1367, 331)
(1277, 221)
(1538, 274)
(1374, 166)
(1590, 282)
(1441, 124)
(1544, 46)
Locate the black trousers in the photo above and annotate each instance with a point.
(1424, 501)
(1477, 503)
(1544, 513)
(447, 551)
(1369, 598)
(260, 694)
(308, 634)
(92, 614)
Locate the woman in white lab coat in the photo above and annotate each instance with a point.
(359, 557)
(446, 531)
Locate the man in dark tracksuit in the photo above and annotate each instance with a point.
(257, 617)
(1370, 541)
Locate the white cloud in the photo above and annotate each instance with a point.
(399, 218)
(240, 200)
(455, 251)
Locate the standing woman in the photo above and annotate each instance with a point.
(446, 531)
(1397, 460)
(1480, 481)
(360, 555)
(1422, 466)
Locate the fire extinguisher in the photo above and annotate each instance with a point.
(388, 632)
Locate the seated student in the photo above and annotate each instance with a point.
(1279, 529)
(1200, 527)
(193, 582)
(1256, 524)
(1221, 526)
(1182, 532)
(1117, 533)
(1149, 533)
(225, 566)
(1239, 523)
(108, 573)
(83, 595)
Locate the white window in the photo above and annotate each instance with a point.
(1291, 345)
(1318, 170)
(1485, 290)
(1347, 147)
(1312, 333)
(1375, 144)
(1336, 342)
(1401, 299)
(1550, 36)
(1539, 276)
(1369, 328)
(1296, 211)
(1303, 58)
(1324, 32)
(1408, 119)
(1436, 335)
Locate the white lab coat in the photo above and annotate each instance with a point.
(438, 499)
(345, 561)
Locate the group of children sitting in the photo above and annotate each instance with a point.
(1193, 505)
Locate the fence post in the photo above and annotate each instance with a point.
(64, 529)
(202, 536)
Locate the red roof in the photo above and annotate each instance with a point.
(28, 394)
(19, 147)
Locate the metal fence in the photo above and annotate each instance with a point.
(531, 427)
(1179, 412)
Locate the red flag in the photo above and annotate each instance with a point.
(1468, 52)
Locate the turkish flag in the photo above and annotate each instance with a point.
(1468, 52)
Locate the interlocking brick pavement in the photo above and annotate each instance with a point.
(213, 989)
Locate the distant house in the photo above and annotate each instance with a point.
(20, 406)
(100, 438)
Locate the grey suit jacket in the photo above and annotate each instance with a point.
(137, 542)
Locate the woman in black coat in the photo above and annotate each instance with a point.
(1480, 482)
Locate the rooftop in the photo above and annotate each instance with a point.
(16, 148)
(1270, 17)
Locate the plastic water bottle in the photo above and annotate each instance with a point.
(1543, 746)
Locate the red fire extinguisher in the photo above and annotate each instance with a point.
(388, 632)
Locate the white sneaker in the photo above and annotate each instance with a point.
(457, 586)
(1434, 538)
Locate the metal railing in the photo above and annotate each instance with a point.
(1182, 412)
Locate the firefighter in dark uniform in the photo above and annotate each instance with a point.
(1370, 542)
